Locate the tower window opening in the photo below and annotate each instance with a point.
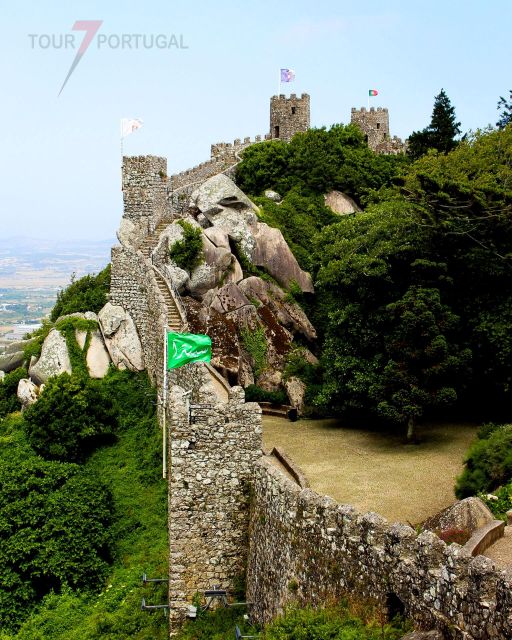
(294, 110)
(276, 132)
(378, 125)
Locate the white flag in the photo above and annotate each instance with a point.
(129, 125)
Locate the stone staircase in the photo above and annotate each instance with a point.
(174, 321)
(151, 241)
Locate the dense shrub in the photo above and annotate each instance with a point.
(71, 418)
(188, 252)
(334, 623)
(8, 388)
(86, 294)
(499, 501)
(488, 463)
(255, 343)
(54, 530)
(253, 393)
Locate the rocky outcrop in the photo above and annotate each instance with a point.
(273, 254)
(340, 203)
(97, 358)
(272, 195)
(121, 338)
(54, 359)
(11, 361)
(27, 393)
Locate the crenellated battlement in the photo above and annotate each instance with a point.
(374, 123)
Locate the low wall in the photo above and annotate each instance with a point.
(308, 549)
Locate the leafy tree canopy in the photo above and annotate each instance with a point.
(86, 294)
(441, 133)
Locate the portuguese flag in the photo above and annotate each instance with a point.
(373, 92)
(183, 348)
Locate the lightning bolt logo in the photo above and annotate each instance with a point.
(90, 27)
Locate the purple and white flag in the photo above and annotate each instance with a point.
(287, 75)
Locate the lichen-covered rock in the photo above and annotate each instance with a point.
(121, 337)
(11, 361)
(97, 357)
(179, 277)
(54, 359)
(126, 232)
(289, 314)
(27, 393)
(470, 514)
(270, 380)
(296, 392)
(228, 298)
(273, 253)
(218, 237)
(340, 203)
(272, 195)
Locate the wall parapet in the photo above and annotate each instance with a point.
(327, 550)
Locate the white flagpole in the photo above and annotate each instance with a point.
(164, 405)
(279, 84)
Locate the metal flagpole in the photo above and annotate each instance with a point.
(164, 403)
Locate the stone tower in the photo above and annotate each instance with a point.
(288, 115)
(375, 125)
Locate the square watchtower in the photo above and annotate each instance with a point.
(288, 116)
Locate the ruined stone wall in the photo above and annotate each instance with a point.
(133, 287)
(288, 116)
(375, 125)
(213, 449)
(309, 549)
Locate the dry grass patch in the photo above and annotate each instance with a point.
(373, 470)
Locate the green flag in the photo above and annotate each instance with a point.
(183, 348)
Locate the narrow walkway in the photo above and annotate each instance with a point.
(501, 551)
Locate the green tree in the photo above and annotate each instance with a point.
(505, 108)
(86, 294)
(188, 252)
(424, 366)
(441, 133)
(71, 418)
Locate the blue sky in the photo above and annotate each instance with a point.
(60, 161)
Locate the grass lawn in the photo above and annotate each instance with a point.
(373, 470)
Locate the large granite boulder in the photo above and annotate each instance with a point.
(227, 207)
(97, 357)
(11, 361)
(273, 254)
(228, 298)
(296, 391)
(27, 393)
(469, 514)
(340, 203)
(54, 359)
(121, 338)
(272, 195)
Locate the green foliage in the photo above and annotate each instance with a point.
(72, 417)
(441, 132)
(299, 217)
(255, 343)
(333, 623)
(488, 464)
(8, 391)
(77, 356)
(54, 529)
(505, 108)
(131, 469)
(499, 501)
(86, 294)
(253, 393)
(315, 162)
(188, 252)
(216, 625)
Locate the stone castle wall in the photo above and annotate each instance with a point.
(308, 549)
(133, 287)
(213, 449)
(289, 116)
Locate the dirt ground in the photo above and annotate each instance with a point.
(376, 471)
